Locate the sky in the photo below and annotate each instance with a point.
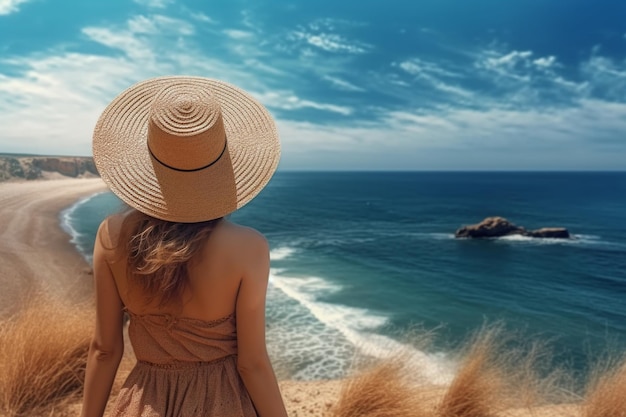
(353, 85)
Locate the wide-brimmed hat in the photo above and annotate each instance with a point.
(185, 149)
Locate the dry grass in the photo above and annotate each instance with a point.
(496, 374)
(381, 391)
(607, 394)
(478, 389)
(43, 352)
(499, 372)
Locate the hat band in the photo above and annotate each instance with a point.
(187, 170)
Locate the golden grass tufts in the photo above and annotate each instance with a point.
(499, 372)
(43, 352)
(382, 391)
(477, 388)
(497, 375)
(607, 394)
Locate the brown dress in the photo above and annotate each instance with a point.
(185, 368)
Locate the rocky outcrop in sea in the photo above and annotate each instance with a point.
(499, 226)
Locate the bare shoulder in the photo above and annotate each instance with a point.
(245, 240)
(109, 231)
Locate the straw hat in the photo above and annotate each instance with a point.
(185, 149)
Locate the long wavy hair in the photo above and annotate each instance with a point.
(158, 254)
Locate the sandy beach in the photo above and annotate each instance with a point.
(36, 253)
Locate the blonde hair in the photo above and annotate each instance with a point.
(158, 253)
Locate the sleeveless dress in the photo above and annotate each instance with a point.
(185, 368)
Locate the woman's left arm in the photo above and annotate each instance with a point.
(107, 346)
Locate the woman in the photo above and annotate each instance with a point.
(183, 152)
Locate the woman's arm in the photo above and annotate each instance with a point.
(253, 362)
(107, 346)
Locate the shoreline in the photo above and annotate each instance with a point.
(37, 254)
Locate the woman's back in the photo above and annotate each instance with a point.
(187, 350)
(214, 274)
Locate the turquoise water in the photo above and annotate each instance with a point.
(359, 259)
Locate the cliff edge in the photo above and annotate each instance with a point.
(41, 167)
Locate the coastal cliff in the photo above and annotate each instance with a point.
(38, 167)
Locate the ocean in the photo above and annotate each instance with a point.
(364, 261)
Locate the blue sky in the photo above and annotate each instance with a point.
(411, 85)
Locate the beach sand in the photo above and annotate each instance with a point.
(37, 255)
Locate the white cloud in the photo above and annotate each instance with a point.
(509, 60)
(342, 84)
(582, 136)
(10, 6)
(59, 100)
(121, 40)
(419, 67)
(238, 34)
(431, 74)
(515, 64)
(545, 62)
(331, 42)
(133, 39)
(249, 20)
(605, 77)
(261, 66)
(201, 17)
(159, 24)
(155, 4)
(50, 104)
(287, 100)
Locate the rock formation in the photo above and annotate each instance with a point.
(553, 232)
(499, 226)
(36, 167)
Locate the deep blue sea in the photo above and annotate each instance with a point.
(360, 260)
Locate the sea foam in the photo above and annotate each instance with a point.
(342, 332)
(68, 222)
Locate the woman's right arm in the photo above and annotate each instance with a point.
(253, 362)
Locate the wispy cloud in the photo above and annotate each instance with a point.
(329, 35)
(330, 42)
(434, 75)
(421, 67)
(545, 62)
(201, 17)
(342, 84)
(45, 109)
(287, 100)
(134, 38)
(577, 137)
(238, 34)
(519, 65)
(605, 77)
(155, 4)
(10, 6)
(159, 24)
